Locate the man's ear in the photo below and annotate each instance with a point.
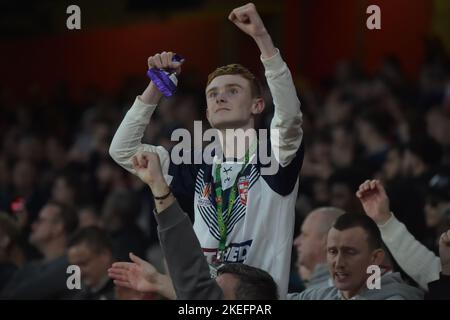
(258, 106)
(378, 257)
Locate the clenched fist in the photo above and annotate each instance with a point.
(248, 20)
(374, 201)
(163, 60)
(148, 168)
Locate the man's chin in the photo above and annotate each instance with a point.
(229, 124)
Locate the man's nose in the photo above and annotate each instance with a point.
(221, 97)
(339, 260)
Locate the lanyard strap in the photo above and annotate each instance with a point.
(219, 200)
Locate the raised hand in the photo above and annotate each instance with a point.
(374, 201)
(141, 276)
(163, 60)
(248, 20)
(148, 167)
(444, 252)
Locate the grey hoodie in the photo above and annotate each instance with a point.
(392, 288)
(320, 277)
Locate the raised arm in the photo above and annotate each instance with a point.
(185, 260)
(127, 139)
(286, 131)
(440, 289)
(414, 258)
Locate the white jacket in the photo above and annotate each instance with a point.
(414, 258)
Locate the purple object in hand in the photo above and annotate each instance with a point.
(165, 80)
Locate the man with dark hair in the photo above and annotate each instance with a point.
(348, 221)
(93, 237)
(187, 267)
(354, 244)
(46, 279)
(250, 283)
(91, 250)
(119, 214)
(52, 229)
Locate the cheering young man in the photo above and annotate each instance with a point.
(242, 214)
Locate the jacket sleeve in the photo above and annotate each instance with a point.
(286, 131)
(185, 260)
(127, 139)
(414, 258)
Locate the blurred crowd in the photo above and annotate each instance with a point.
(64, 201)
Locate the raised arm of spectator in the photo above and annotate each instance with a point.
(127, 140)
(440, 289)
(286, 130)
(185, 260)
(414, 258)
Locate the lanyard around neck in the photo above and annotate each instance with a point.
(219, 200)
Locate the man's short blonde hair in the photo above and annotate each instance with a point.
(237, 69)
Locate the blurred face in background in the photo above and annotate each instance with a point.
(55, 153)
(435, 209)
(63, 192)
(24, 175)
(392, 167)
(342, 148)
(364, 131)
(93, 265)
(30, 149)
(410, 163)
(336, 111)
(341, 196)
(438, 126)
(311, 242)
(87, 217)
(105, 173)
(47, 226)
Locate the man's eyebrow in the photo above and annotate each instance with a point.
(227, 85)
(211, 89)
(342, 248)
(348, 248)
